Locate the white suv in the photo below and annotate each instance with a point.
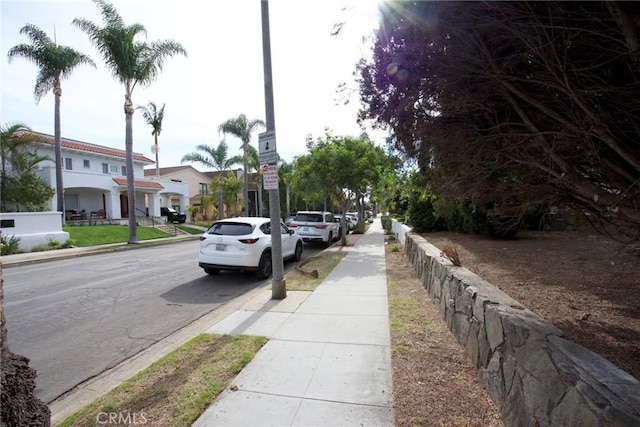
(315, 226)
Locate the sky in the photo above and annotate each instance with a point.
(221, 77)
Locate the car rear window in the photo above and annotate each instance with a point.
(230, 229)
(308, 217)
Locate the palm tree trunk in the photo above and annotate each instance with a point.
(131, 189)
(220, 200)
(156, 150)
(288, 197)
(246, 177)
(58, 149)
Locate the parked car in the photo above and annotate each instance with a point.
(350, 223)
(244, 244)
(173, 215)
(316, 226)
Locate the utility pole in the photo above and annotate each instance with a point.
(278, 283)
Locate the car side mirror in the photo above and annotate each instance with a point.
(292, 231)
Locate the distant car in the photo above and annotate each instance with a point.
(173, 215)
(244, 244)
(316, 226)
(350, 223)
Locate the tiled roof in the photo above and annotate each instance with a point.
(92, 148)
(139, 183)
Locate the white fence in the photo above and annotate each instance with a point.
(33, 228)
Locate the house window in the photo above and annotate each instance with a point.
(87, 164)
(203, 188)
(105, 168)
(123, 170)
(114, 168)
(68, 163)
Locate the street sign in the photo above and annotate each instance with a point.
(270, 177)
(267, 147)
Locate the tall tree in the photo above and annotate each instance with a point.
(216, 158)
(153, 116)
(55, 63)
(515, 105)
(242, 128)
(131, 62)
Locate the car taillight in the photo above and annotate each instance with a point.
(249, 241)
(292, 225)
(321, 226)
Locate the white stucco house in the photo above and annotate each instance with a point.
(95, 182)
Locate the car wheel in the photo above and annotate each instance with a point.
(212, 271)
(330, 240)
(298, 254)
(264, 266)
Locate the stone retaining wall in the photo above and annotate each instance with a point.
(533, 374)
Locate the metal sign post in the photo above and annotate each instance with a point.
(268, 146)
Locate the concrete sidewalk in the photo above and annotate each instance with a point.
(328, 360)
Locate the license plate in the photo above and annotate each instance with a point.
(221, 247)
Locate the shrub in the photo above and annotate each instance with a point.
(386, 223)
(9, 246)
(422, 215)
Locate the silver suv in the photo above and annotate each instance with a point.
(315, 226)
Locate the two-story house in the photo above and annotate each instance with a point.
(95, 182)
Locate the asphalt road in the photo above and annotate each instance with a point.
(75, 318)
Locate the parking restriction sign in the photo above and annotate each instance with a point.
(270, 177)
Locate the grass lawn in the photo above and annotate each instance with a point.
(95, 235)
(176, 389)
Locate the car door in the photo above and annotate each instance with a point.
(332, 224)
(288, 241)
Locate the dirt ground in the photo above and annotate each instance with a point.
(582, 282)
(434, 383)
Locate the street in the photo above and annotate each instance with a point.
(76, 317)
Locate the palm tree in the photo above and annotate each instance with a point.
(213, 157)
(242, 128)
(55, 63)
(253, 165)
(231, 187)
(131, 62)
(154, 117)
(13, 139)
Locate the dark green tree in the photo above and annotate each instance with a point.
(514, 106)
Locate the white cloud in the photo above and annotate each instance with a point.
(221, 77)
